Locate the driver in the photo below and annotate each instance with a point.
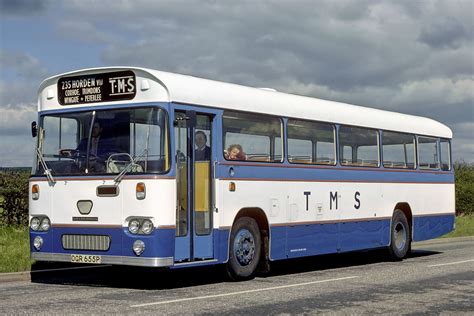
(100, 147)
(97, 145)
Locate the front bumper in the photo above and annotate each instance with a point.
(118, 260)
(159, 249)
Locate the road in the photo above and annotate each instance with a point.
(436, 278)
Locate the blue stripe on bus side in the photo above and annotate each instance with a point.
(293, 241)
(288, 241)
(428, 227)
(268, 172)
(325, 238)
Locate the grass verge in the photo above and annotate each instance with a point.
(464, 227)
(14, 249)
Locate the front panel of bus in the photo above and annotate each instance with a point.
(108, 195)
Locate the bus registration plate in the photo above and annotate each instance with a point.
(86, 259)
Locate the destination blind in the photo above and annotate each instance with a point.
(102, 87)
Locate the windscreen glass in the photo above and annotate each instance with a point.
(104, 142)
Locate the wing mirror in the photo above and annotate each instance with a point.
(34, 129)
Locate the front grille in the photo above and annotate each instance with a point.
(86, 242)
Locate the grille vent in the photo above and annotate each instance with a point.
(86, 242)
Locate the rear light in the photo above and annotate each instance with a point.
(140, 191)
(35, 193)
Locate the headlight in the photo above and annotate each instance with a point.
(45, 224)
(38, 242)
(35, 223)
(138, 247)
(147, 227)
(134, 226)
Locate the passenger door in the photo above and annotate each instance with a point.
(193, 156)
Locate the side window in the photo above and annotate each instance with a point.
(445, 147)
(300, 150)
(359, 147)
(428, 153)
(311, 142)
(253, 137)
(398, 150)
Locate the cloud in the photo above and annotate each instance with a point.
(22, 64)
(23, 7)
(413, 57)
(16, 143)
(444, 33)
(463, 146)
(21, 75)
(83, 31)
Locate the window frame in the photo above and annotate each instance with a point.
(450, 154)
(418, 152)
(313, 144)
(415, 156)
(166, 137)
(379, 164)
(282, 137)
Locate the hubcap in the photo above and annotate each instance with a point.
(400, 236)
(244, 247)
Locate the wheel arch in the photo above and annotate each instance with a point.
(406, 209)
(262, 221)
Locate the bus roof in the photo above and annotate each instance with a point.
(198, 91)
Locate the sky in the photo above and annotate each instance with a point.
(413, 57)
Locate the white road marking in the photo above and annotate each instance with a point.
(243, 292)
(450, 263)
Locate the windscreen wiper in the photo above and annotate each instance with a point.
(47, 171)
(133, 162)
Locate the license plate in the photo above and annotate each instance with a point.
(86, 259)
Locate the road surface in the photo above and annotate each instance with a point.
(436, 278)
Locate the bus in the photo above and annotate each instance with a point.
(140, 167)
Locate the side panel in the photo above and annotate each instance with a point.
(328, 213)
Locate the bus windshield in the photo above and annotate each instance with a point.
(104, 142)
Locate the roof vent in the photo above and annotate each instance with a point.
(268, 89)
(49, 94)
(145, 85)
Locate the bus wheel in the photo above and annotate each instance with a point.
(400, 236)
(244, 249)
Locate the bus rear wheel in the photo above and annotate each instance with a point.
(244, 249)
(400, 240)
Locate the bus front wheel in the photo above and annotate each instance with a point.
(400, 240)
(244, 249)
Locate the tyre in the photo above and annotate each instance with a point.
(244, 249)
(400, 236)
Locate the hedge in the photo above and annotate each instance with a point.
(14, 193)
(464, 188)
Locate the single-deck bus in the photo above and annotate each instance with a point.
(147, 168)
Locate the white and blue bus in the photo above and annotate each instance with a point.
(146, 168)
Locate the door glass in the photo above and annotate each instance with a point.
(202, 175)
(181, 156)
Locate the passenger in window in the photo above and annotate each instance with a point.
(235, 152)
(202, 152)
